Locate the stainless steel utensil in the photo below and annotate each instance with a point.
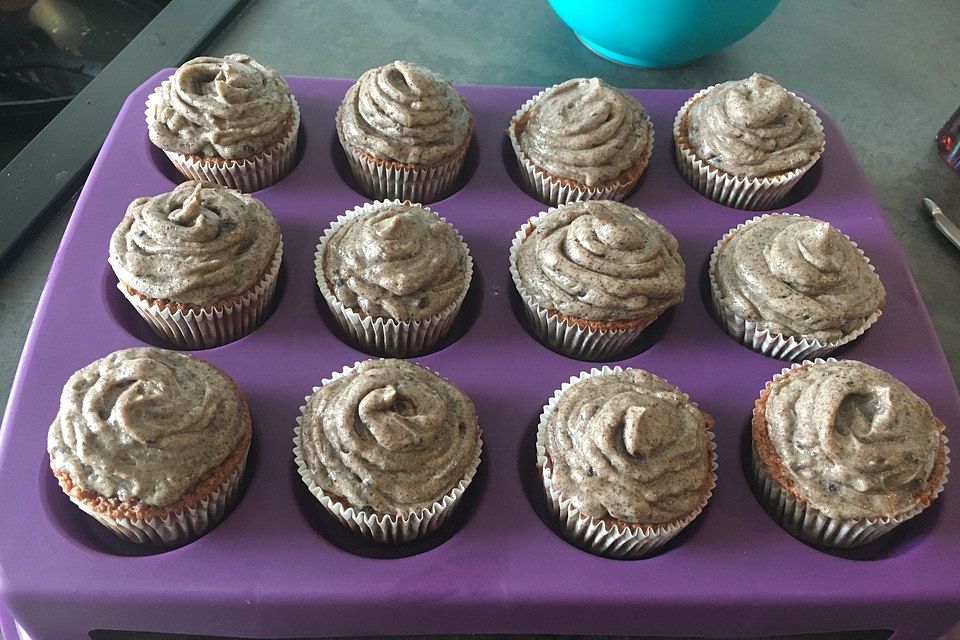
(947, 228)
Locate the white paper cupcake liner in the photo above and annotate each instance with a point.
(811, 525)
(386, 336)
(244, 174)
(742, 193)
(380, 527)
(389, 180)
(596, 535)
(215, 326)
(557, 332)
(553, 190)
(752, 333)
(176, 528)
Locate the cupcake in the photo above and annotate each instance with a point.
(844, 452)
(388, 448)
(199, 263)
(151, 443)
(405, 131)
(592, 275)
(228, 120)
(792, 287)
(581, 140)
(746, 143)
(394, 276)
(627, 461)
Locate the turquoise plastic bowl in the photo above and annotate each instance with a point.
(660, 33)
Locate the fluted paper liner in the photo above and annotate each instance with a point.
(387, 336)
(742, 193)
(560, 333)
(259, 171)
(596, 535)
(176, 528)
(804, 521)
(751, 333)
(214, 325)
(387, 179)
(384, 528)
(556, 190)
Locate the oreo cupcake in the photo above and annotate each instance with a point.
(792, 287)
(388, 448)
(151, 443)
(844, 452)
(746, 143)
(227, 120)
(199, 263)
(592, 275)
(581, 140)
(405, 131)
(394, 275)
(626, 460)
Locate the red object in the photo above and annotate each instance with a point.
(948, 141)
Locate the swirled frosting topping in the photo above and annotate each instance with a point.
(145, 424)
(389, 436)
(198, 244)
(231, 107)
(797, 276)
(399, 261)
(585, 130)
(753, 128)
(630, 446)
(852, 438)
(406, 113)
(602, 260)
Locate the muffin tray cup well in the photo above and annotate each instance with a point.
(279, 566)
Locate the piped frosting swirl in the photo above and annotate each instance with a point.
(406, 113)
(630, 446)
(854, 440)
(231, 107)
(144, 424)
(601, 260)
(397, 261)
(389, 436)
(585, 130)
(198, 244)
(753, 128)
(798, 276)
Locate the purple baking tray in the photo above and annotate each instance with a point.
(279, 567)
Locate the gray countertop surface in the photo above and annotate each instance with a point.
(884, 70)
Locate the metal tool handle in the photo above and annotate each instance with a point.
(948, 229)
(942, 222)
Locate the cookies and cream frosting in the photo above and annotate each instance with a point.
(797, 276)
(753, 128)
(854, 440)
(406, 113)
(230, 107)
(396, 261)
(389, 436)
(585, 130)
(145, 424)
(628, 446)
(601, 260)
(198, 244)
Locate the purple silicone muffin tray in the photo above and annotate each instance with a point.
(278, 566)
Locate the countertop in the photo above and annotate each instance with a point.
(884, 70)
